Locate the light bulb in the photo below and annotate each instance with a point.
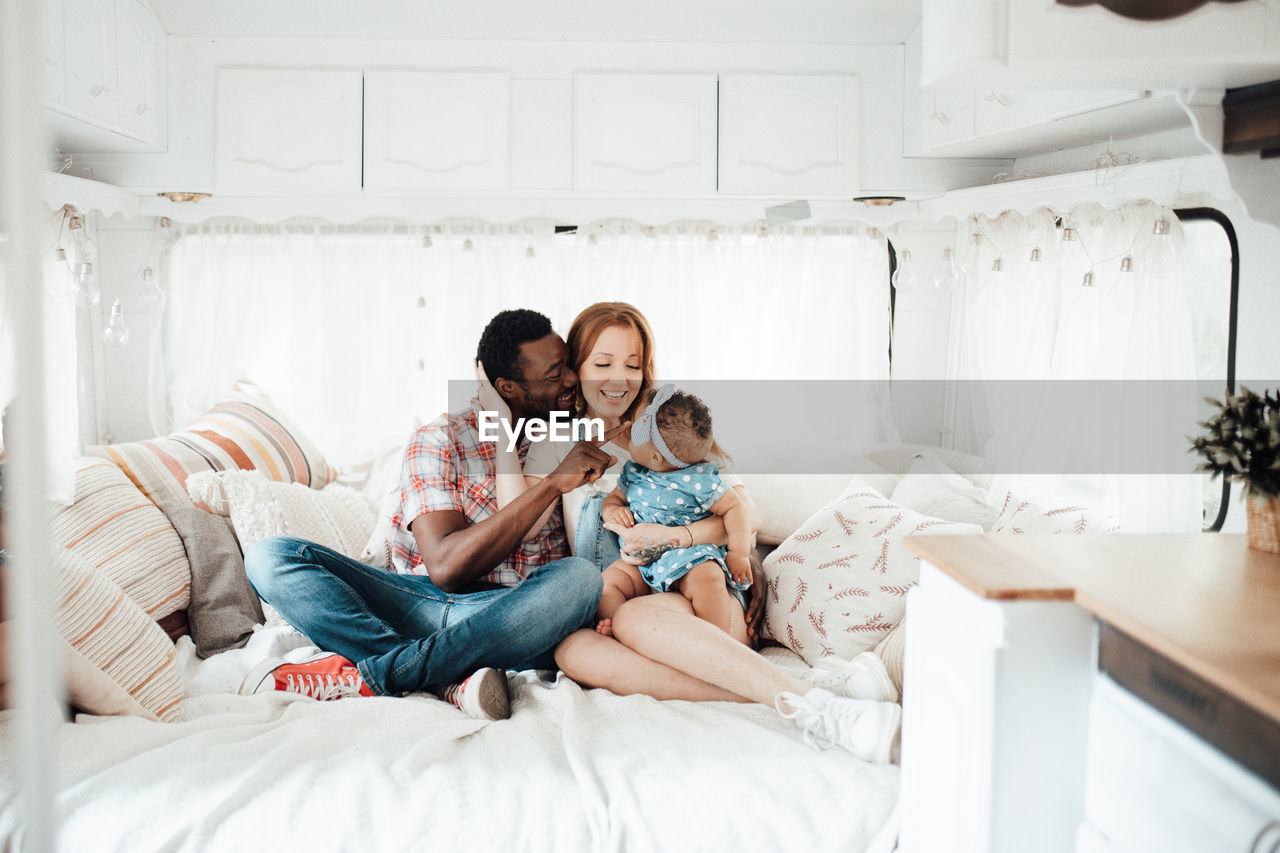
(713, 242)
(1120, 294)
(993, 288)
(593, 247)
(947, 275)
(87, 293)
(468, 246)
(117, 333)
(1161, 257)
(763, 238)
(426, 241)
(904, 276)
(152, 295)
(1073, 261)
(80, 248)
(1087, 281)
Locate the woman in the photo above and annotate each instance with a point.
(659, 647)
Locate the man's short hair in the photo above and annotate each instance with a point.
(500, 342)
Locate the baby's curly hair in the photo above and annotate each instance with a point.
(685, 423)
(499, 348)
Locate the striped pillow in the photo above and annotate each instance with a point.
(118, 531)
(245, 432)
(121, 642)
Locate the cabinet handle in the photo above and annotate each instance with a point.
(96, 91)
(940, 118)
(141, 109)
(998, 97)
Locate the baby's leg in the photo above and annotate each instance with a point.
(707, 591)
(622, 581)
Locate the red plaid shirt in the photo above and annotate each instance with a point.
(447, 466)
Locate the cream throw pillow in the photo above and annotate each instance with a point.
(119, 531)
(839, 584)
(120, 661)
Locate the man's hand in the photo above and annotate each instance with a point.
(586, 462)
(618, 515)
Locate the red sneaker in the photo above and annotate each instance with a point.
(325, 676)
(483, 695)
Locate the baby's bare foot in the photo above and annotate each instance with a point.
(605, 627)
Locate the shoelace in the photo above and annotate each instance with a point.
(819, 725)
(323, 688)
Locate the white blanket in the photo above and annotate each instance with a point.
(571, 770)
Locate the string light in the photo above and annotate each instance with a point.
(947, 275)
(904, 275)
(117, 333)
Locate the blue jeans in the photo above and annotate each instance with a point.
(592, 541)
(404, 633)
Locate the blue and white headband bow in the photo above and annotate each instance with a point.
(646, 427)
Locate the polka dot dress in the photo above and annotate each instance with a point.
(674, 498)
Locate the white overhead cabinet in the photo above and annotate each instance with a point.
(140, 76)
(959, 120)
(642, 133)
(788, 134)
(283, 129)
(428, 130)
(1043, 44)
(104, 74)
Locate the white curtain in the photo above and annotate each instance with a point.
(1095, 301)
(358, 330)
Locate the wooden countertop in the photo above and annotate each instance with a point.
(1206, 601)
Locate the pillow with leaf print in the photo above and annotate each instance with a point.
(839, 584)
(1022, 513)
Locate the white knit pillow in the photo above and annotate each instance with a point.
(838, 585)
(336, 516)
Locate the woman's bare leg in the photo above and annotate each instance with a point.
(594, 660)
(663, 629)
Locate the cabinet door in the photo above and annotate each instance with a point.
(428, 130)
(141, 71)
(90, 27)
(645, 133)
(997, 110)
(288, 129)
(946, 116)
(788, 135)
(53, 52)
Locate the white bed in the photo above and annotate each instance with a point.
(571, 770)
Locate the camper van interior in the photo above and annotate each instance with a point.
(974, 290)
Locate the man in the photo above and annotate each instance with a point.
(470, 597)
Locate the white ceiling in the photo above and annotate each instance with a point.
(782, 21)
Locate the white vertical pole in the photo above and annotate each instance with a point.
(36, 671)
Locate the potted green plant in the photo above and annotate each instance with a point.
(1242, 443)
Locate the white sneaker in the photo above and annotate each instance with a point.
(864, 677)
(867, 729)
(483, 695)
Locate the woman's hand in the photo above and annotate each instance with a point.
(490, 399)
(645, 542)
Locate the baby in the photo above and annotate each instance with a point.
(671, 482)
